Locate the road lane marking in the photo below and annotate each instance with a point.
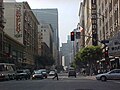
(116, 81)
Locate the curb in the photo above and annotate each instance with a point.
(91, 77)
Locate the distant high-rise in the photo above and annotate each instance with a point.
(67, 53)
(50, 16)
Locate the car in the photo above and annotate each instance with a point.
(71, 72)
(111, 75)
(37, 74)
(52, 73)
(22, 74)
(44, 72)
(7, 71)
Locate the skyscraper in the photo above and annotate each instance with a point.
(1, 26)
(22, 26)
(50, 16)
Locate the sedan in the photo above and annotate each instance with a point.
(22, 74)
(52, 73)
(37, 75)
(111, 75)
(72, 73)
(44, 72)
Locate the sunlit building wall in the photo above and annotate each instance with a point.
(90, 22)
(1, 27)
(109, 24)
(45, 35)
(22, 26)
(87, 21)
(80, 26)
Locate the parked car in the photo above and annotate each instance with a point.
(22, 74)
(37, 74)
(52, 73)
(111, 75)
(71, 72)
(44, 72)
(7, 71)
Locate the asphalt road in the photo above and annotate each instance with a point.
(64, 83)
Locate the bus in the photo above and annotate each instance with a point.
(7, 71)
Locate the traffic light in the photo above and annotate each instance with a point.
(77, 35)
(72, 34)
(106, 54)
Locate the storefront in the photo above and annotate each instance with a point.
(114, 51)
(12, 51)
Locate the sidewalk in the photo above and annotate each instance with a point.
(93, 77)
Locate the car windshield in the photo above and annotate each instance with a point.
(44, 72)
(37, 72)
(1, 67)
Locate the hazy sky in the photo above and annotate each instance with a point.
(67, 10)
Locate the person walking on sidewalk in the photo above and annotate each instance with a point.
(55, 76)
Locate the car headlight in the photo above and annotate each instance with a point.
(33, 76)
(1, 74)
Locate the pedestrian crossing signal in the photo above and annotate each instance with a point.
(72, 36)
(77, 35)
(106, 54)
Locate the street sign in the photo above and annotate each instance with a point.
(114, 46)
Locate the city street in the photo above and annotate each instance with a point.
(64, 83)
(45, 42)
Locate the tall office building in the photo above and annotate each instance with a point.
(109, 24)
(90, 22)
(1, 27)
(67, 53)
(50, 16)
(45, 38)
(81, 26)
(109, 29)
(22, 26)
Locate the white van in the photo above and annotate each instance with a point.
(7, 71)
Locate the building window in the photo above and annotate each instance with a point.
(94, 21)
(110, 21)
(102, 6)
(106, 1)
(110, 6)
(105, 13)
(41, 34)
(115, 1)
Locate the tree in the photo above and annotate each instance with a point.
(91, 53)
(88, 56)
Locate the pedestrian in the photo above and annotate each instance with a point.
(55, 76)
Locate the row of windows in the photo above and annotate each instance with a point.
(112, 17)
(43, 30)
